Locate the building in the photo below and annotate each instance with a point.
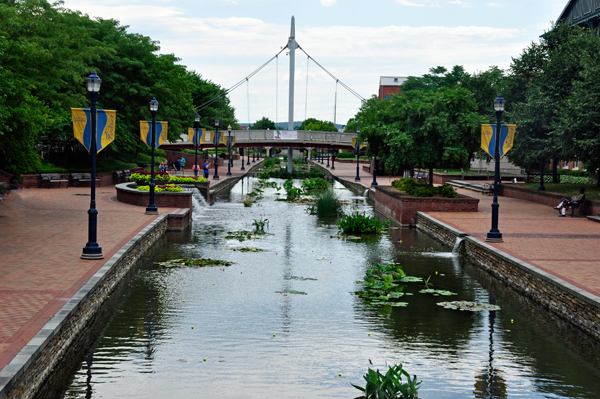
(584, 13)
(389, 85)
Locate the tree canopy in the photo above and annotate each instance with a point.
(263, 124)
(318, 125)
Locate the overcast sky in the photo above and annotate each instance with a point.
(357, 40)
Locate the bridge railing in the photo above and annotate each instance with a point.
(294, 136)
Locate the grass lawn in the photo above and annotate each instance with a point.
(591, 191)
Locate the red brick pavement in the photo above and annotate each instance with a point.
(564, 247)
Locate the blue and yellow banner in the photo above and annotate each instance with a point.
(146, 133)
(355, 144)
(199, 139)
(488, 138)
(220, 138)
(105, 127)
(230, 142)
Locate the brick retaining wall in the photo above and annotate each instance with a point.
(403, 208)
(127, 193)
(33, 181)
(562, 299)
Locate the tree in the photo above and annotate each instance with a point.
(318, 125)
(437, 78)
(263, 124)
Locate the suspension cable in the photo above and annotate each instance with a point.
(306, 97)
(276, 90)
(248, 99)
(238, 84)
(345, 86)
(335, 103)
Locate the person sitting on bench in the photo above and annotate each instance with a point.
(566, 202)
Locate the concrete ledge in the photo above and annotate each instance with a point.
(352, 185)
(26, 373)
(127, 193)
(575, 305)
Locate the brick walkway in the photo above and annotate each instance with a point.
(564, 247)
(42, 233)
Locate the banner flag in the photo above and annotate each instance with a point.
(105, 127)
(488, 138)
(197, 140)
(355, 144)
(146, 133)
(220, 138)
(285, 135)
(230, 141)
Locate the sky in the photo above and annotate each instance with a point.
(356, 40)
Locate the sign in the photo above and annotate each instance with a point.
(488, 139)
(146, 133)
(230, 141)
(197, 140)
(105, 127)
(285, 135)
(355, 144)
(220, 138)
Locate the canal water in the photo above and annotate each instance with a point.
(233, 332)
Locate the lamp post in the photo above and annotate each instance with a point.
(494, 234)
(541, 187)
(253, 154)
(333, 160)
(242, 157)
(216, 176)
(197, 139)
(151, 209)
(92, 250)
(374, 182)
(328, 157)
(229, 150)
(247, 149)
(357, 178)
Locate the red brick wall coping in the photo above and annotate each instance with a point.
(592, 206)
(403, 208)
(127, 193)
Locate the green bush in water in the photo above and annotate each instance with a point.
(389, 386)
(327, 204)
(361, 224)
(315, 184)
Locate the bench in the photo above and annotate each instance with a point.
(53, 178)
(79, 177)
(123, 175)
(580, 206)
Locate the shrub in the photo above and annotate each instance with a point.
(271, 162)
(389, 386)
(345, 155)
(189, 179)
(317, 183)
(421, 189)
(247, 203)
(160, 188)
(144, 176)
(361, 224)
(327, 204)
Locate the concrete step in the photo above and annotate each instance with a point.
(594, 218)
(469, 186)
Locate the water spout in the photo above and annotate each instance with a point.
(199, 204)
(456, 248)
(366, 193)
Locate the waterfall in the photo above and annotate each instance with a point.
(456, 248)
(199, 204)
(366, 193)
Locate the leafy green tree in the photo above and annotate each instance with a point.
(437, 78)
(263, 124)
(318, 125)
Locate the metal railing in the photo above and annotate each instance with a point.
(293, 136)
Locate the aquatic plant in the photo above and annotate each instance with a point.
(390, 385)
(315, 184)
(241, 235)
(202, 262)
(248, 249)
(437, 292)
(247, 203)
(326, 204)
(259, 225)
(293, 193)
(382, 285)
(361, 224)
(470, 306)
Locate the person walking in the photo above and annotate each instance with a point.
(206, 169)
(177, 165)
(182, 165)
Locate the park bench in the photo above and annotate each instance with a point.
(123, 175)
(418, 176)
(79, 177)
(580, 206)
(53, 178)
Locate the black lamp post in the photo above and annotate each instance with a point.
(247, 149)
(92, 250)
(196, 142)
(328, 157)
(541, 187)
(253, 154)
(357, 178)
(494, 234)
(374, 182)
(229, 151)
(216, 176)
(333, 160)
(151, 209)
(242, 157)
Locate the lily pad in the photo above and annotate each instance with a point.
(300, 278)
(470, 306)
(438, 292)
(202, 262)
(398, 304)
(291, 292)
(248, 249)
(396, 294)
(410, 279)
(352, 238)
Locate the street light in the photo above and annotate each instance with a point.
(216, 176)
(151, 209)
(229, 151)
(253, 154)
(92, 250)
(333, 160)
(494, 234)
(328, 156)
(357, 178)
(374, 182)
(196, 141)
(247, 149)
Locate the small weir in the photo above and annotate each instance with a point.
(457, 244)
(199, 204)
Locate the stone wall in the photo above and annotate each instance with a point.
(26, 373)
(592, 206)
(33, 181)
(127, 193)
(569, 303)
(352, 185)
(403, 208)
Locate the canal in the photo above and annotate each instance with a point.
(284, 322)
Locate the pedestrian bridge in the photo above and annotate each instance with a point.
(273, 138)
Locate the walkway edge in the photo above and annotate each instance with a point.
(27, 371)
(355, 187)
(570, 303)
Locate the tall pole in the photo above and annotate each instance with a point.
(541, 187)
(196, 141)
(216, 176)
(248, 152)
(292, 46)
(357, 145)
(327, 157)
(494, 234)
(242, 150)
(374, 182)
(229, 151)
(151, 209)
(333, 160)
(92, 249)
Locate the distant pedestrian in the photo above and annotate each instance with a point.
(177, 165)
(182, 165)
(205, 169)
(573, 201)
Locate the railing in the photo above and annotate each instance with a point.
(293, 136)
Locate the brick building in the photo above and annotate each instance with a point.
(389, 85)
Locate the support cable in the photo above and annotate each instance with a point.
(345, 86)
(306, 97)
(335, 103)
(276, 90)
(248, 98)
(238, 84)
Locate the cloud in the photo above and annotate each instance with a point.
(459, 2)
(409, 3)
(496, 5)
(327, 3)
